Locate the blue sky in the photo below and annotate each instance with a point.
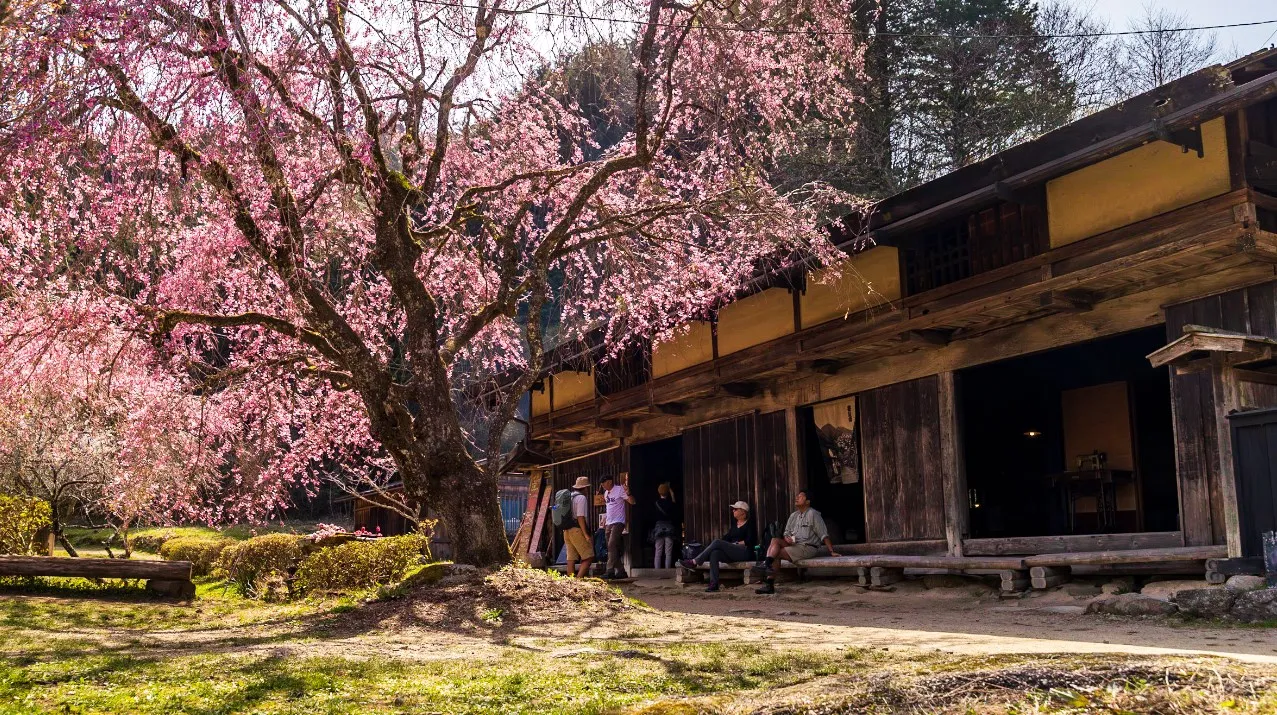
(1214, 12)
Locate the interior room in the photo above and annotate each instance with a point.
(650, 465)
(1077, 440)
(830, 432)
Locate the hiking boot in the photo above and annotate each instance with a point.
(759, 568)
(765, 589)
(712, 587)
(689, 564)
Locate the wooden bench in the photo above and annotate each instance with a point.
(1017, 573)
(168, 578)
(883, 569)
(1047, 570)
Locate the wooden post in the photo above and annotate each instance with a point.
(1224, 388)
(952, 464)
(794, 453)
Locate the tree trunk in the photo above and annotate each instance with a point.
(58, 534)
(469, 506)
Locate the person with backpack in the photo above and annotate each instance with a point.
(736, 545)
(570, 509)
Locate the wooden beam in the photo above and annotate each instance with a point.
(1260, 245)
(743, 389)
(931, 338)
(1126, 556)
(1227, 398)
(1262, 378)
(1064, 301)
(1072, 543)
(671, 408)
(565, 436)
(952, 464)
(819, 367)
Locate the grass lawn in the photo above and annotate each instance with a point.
(76, 647)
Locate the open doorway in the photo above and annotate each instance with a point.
(652, 464)
(1076, 440)
(830, 433)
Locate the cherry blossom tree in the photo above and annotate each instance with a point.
(334, 220)
(88, 425)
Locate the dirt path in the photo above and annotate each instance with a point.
(954, 620)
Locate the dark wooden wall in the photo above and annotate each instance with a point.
(900, 448)
(745, 458)
(1250, 310)
(774, 500)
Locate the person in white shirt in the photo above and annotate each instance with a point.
(615, 497)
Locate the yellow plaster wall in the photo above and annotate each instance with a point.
(541, 400)
(571, 388)
(1138, 184)
(866, 279)
(692, 346)
(754, 320)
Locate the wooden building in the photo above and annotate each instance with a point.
(976, 380)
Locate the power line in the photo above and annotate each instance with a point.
(813, 33)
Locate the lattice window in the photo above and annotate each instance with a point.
(982, 241)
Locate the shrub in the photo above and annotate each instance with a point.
(201, 552)
(152, 542)
(259, 566)
(21, 519)
(360, 564)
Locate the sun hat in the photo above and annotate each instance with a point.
(582, 483)
(740, 505)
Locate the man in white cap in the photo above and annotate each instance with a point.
(575, 531)
(736, 545)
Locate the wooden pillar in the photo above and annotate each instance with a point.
(797, 464)
(952, 464)
(1226, 391)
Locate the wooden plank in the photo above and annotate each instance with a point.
(539, 524)
(1131, 556)
(958, 563)
(920, 547)
(1224, 390)
(1072, 543)
(952, 464)
(523, 537)
(94, 568)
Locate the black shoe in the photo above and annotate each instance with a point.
(765, 589)
(712, 587)
(689, 564)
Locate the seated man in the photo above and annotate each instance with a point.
(736, 545)
(804, 533)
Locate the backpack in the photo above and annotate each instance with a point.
(561, 512)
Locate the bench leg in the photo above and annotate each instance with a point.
(172, 589)
(1015, 581)
(1049, 576)
(685, 576)
(882, 576)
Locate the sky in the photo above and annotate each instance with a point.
(1214, 12)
